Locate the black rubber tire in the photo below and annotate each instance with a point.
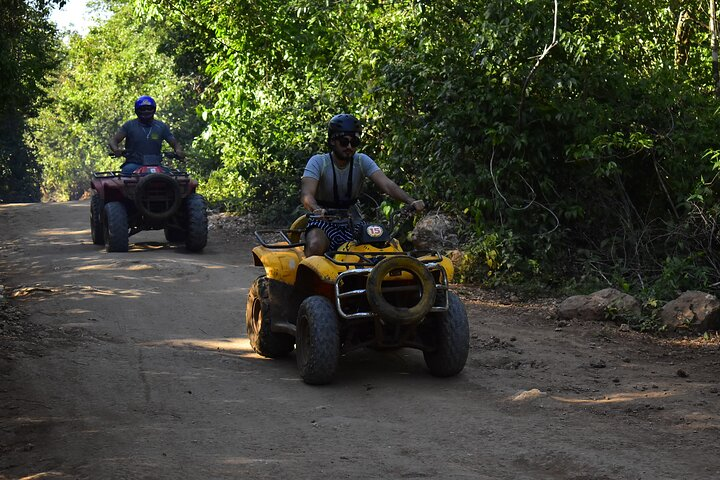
(452, 335)
(172, 191)
(197, 223)
(258, 318)
(318, 340)
(174, 235)
(97, 230)
(392, 313)
(115, 223)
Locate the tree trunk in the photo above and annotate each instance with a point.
(714, 46)
(682, 38)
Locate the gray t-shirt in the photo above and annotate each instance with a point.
(320, 167)
(144, 142)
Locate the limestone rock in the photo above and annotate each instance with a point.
(435, 232)
(692, 311)
(596, 306)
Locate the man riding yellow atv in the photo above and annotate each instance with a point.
(366, 293)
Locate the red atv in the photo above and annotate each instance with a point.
(151, 198)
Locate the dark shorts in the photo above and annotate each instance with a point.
(338, 233)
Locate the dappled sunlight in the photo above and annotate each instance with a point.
(149, 246)
(50, 232)
(237, 345)
(44, 475)
(9, 206)
(87, 291)
(106, 292)
(614, 398)
(114, 266)
(710, 341)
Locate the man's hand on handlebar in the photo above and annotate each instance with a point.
(330, 214)
(413, 207)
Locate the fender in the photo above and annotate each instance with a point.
(445, 262)
(280, 264)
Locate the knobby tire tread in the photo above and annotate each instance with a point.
(197, 223)
(318, 340)
(263, 340)
(116, 227)
(97, 229)
(452, 335)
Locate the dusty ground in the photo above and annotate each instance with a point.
(136, 365)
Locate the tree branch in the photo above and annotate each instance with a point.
(540, 57)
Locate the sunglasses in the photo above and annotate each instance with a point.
(345, 141)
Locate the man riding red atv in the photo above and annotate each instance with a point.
(146, 195)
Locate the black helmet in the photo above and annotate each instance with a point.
(344, 123)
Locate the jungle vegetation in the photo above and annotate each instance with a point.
(575, 142)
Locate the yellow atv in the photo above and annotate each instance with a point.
(367, 293)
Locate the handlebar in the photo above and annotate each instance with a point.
(169, 154)
(330, 214)
(344, 215)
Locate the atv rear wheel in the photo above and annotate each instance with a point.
(197, 224)
(258, 320)
(396, 313)
(97, 230)
(452, 336)
(318, 340)
(115, 227)
(174, 235)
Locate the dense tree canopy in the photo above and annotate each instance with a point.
(29, 49)
(573, 139)
(103, 73)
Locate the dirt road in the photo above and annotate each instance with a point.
(136, 366)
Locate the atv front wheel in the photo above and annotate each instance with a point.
(197, 224)
(174, 235)
(258, 321)
(116, 227)
(318, 340)
(96, 219)
(452, 336)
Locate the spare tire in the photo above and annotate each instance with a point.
(157, 196)
(394, 313)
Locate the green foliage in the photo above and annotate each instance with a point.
(94, 92)
(647, 321)
(581, 156)
(29, 49)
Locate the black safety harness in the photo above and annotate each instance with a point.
(346, 202)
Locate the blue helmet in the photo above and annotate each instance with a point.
(145, 101)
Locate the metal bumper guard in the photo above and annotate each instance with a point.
(342, 298)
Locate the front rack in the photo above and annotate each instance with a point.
(118, 174)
